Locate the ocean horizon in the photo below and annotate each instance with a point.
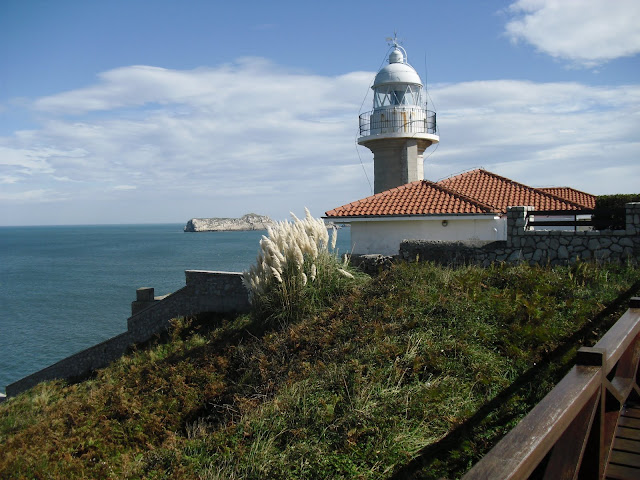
(68, 287)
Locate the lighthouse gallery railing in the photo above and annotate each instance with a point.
(397, 120)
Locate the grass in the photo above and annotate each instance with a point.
(414, 373)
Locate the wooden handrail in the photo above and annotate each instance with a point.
(574, 425)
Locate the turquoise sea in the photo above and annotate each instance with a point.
(66, 288)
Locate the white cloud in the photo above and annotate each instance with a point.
(255, 137)
(245, 129)
(32, 196)
(542, 134)
(194, 137)
(247, 84)
(585, 32)
(8, 179)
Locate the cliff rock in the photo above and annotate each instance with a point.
(250, 221)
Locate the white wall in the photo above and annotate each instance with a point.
(384, 237)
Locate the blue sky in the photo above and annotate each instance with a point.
(160, 111)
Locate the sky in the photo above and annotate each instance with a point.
(158, 111)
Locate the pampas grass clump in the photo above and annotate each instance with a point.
(297, 270)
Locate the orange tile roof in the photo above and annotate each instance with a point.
(417, 198)
(474, 192)
(576, 196)
(501, 192)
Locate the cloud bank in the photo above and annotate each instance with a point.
(585, 32)
(543, 134)
(221, 137)
(148, 144)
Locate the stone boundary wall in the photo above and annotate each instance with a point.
(76, 365)
(553, 247)
(220, 292)
(371, 264)
(453, 253)
(205, 291)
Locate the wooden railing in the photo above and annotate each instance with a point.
(570, 433)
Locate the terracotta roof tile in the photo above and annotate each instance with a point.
(474, 192)
(417, 198)
(500, 192)
(576, 196)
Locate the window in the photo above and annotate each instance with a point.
(387, 95)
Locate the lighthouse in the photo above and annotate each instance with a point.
(399, 128)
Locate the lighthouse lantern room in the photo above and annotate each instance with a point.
(399, 128)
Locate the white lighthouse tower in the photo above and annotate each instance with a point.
(399, 128)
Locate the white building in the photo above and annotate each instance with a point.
(470, 207)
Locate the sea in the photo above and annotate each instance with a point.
(66, 288)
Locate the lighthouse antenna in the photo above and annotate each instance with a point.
(395, 43)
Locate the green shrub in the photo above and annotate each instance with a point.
(610, 212)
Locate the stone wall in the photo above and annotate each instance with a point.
(554, 247)
(77, 365)
(453, 253)
(220, 292)
(371, 264)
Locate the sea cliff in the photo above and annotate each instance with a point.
(250, 221)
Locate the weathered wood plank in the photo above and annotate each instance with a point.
(625, 458)
(619, 337)
(625, 445)
(627, 367)
(609, 422)
(567, 453)
(522, 449)
(620, 472)
(631, 413)
(623, 386)
(630, 422)
(628, 433)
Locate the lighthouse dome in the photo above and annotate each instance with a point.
(398, 71)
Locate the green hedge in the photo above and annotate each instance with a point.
(610, 212)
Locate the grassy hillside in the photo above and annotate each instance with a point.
(413, 373)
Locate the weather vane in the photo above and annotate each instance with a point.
(396, 43)
(393, 42)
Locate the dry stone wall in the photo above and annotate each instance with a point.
(205, 291)
(221, 292)
(77, 365)
(553, 247)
